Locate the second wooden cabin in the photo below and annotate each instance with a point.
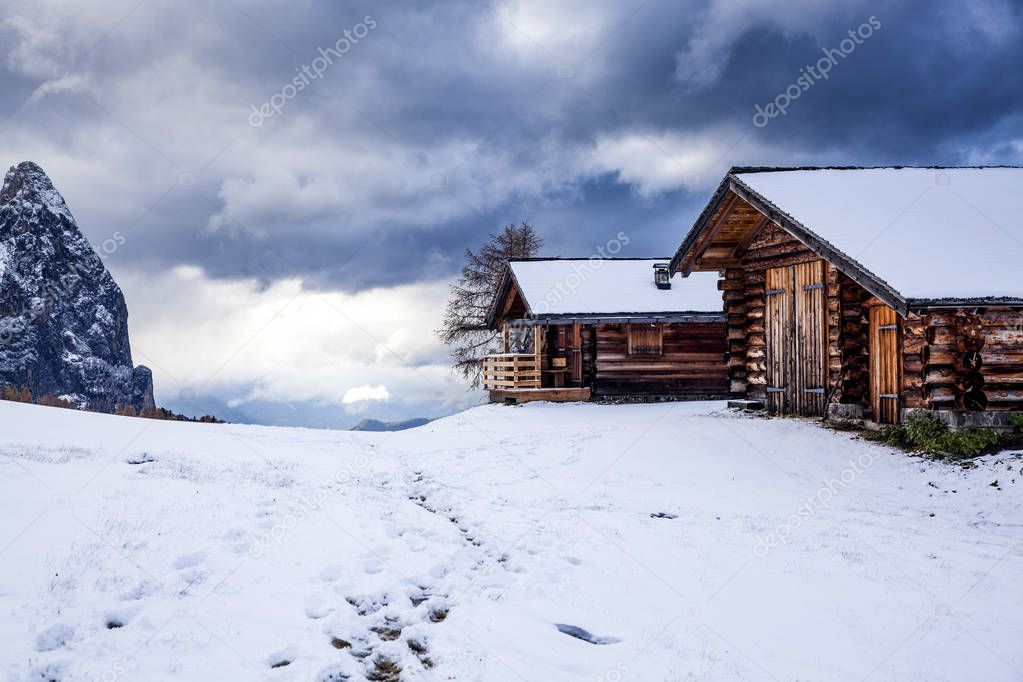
(869, 292)
(575, 329)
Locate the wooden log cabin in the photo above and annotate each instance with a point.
(580, 329)
(869, 292)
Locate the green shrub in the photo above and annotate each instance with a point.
(924, 430)
(1017, 421)
(933, 437)
(968, 442)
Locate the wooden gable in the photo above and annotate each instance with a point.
(736, 216)
(732, 228)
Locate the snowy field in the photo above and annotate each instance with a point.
(689, 542)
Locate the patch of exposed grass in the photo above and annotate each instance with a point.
(926, 434)
(384, 670)
(420, 650)
(387, 633)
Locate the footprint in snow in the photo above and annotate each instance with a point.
(189, 560)
(317, 608)
(54, 637)
(145, 588)
(282, 658)
(140, 458)
(584, 635)
(238, 539)
(114, 620)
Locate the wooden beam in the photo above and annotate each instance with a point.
(727, 207)
(744, 244)
(577, 353)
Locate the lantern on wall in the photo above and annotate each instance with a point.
(662, 277)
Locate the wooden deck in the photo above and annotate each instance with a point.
(518, 396)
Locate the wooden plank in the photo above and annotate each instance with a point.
(709, 233)
(811, 338)
(518, 396)
(884, 364)
(743, 246)
(778, 321)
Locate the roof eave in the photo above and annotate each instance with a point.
(626, 317)
(507, 281)
(968, 302)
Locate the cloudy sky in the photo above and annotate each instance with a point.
(284, 190)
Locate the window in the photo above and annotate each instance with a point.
(645, 339)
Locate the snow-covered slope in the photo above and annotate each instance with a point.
(63, 321)
(692, 543)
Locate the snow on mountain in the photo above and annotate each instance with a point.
(544, 542)
(63, 321)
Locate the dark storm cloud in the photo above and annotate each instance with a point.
(449, 119)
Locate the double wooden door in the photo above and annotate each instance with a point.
(797, 332)
(884, 364)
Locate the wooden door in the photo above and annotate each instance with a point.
(796, 329)
(884, 364)
(778, 328)
(811, 338)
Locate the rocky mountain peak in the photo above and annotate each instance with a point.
(63, 320)
(28, 184)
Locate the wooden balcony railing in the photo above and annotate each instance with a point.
(510, 370)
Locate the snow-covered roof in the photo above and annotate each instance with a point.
(930, 233)
(605, 287)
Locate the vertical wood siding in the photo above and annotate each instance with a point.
(796, 321)
(884, 364)
(841, 324)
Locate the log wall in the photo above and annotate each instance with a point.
(951, 359)
(690, 366)
(744, 300)
(964, 359)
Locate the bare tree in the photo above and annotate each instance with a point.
(465, 319)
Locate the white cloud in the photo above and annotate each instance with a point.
(718, 31)
(356, 400)
(653, 162)
(237, 341)
(567, 30)
(361, 394)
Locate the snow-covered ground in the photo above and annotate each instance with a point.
(691, 542)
